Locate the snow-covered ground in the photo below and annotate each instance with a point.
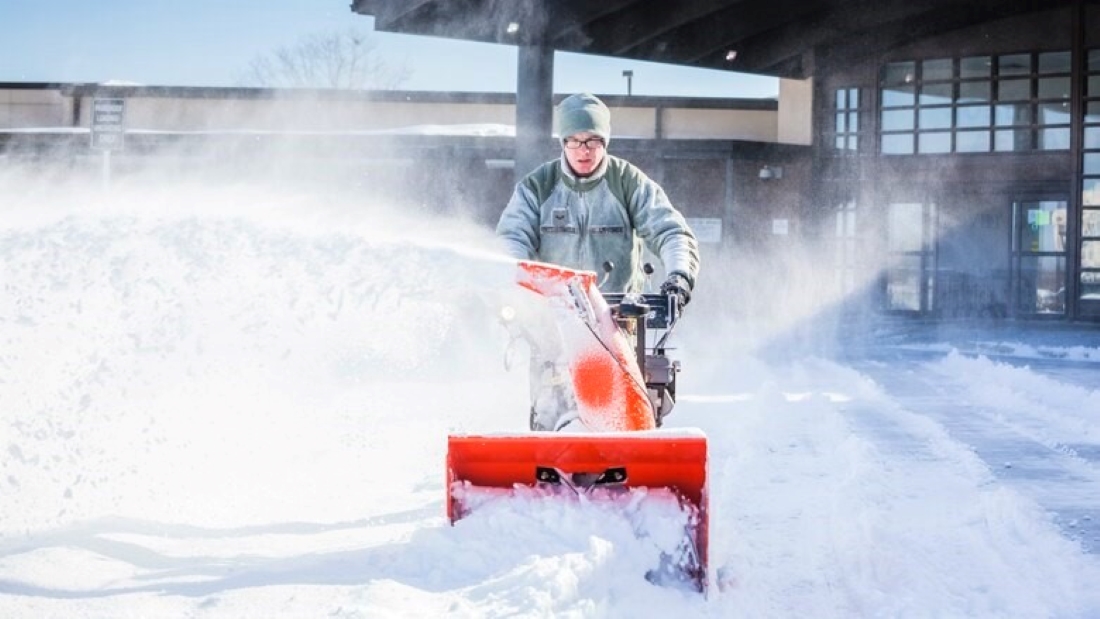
(233, 403)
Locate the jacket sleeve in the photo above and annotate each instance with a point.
(660, 225)
(518, 227)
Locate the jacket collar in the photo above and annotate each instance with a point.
(583, 184)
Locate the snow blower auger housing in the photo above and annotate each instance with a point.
(620, 451)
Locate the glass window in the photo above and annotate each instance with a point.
(1090, 192)
(936, 94)
(899, 96)
(1053, 139)
(1092, 112)
(1054, 62)
(934, 142)
(847, 98)
(977, 66)
(1092, 89)
(846, 118)
(898, 73)
(1094, 60)
(1054, 88)
(897, 120)
(897, 144)
(1009, 114)
(1092, 163)
(1092, 137)
(1014, 64)
(972, 141)
(938, 69)
(1090, 286)
(1054, 114)
(1014, 90)
(1011, 140)
(934, 118)
(1090, 255)
(972, 116)
(1090, 222)
(974, 92)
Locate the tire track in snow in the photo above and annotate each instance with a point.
(1018, 423)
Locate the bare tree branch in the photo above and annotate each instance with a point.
(346, 60)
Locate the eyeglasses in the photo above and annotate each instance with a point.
(590, 143)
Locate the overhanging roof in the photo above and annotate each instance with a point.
(784, 38)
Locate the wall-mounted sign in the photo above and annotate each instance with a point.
(781, 227)
(706, 229)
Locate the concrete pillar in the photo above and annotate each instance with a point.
(534, 108)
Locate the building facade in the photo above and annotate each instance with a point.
(959, 176)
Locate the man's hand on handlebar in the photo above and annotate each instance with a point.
(677, 285)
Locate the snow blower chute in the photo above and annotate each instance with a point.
(619, 448)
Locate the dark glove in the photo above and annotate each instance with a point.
(677, 285)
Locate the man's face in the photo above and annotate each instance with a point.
(588, 154)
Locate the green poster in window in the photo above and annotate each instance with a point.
(1038, 218)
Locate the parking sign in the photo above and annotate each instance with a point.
(107, 118)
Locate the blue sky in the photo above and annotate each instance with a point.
(211, 42)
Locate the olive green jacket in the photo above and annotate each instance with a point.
(581, 223)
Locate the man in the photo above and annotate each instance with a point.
(589, 208)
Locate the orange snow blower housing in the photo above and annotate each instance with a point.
(619, 407)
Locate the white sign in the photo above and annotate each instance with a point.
(706, 229)
(107, 118)
(780, 227)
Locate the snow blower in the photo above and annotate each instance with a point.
(620, 450)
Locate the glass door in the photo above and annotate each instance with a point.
(1039, 257)
(1089, 288)
(912, 256)
(846, 249)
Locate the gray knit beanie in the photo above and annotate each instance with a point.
(584, 112)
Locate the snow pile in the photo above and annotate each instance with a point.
(1039, 406)
(138, 349)
(1014, 349)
